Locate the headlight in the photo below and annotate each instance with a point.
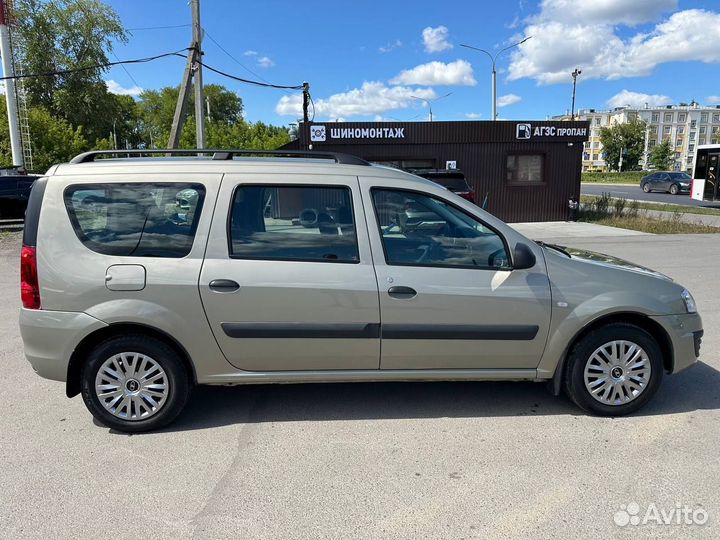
(689, 301)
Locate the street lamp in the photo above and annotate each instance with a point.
(574, 76)
(430, 102)
(494, 71)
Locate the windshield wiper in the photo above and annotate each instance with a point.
(554, 246)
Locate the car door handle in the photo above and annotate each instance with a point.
(224, 285)
(402, 292)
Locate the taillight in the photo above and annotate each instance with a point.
(29, 288)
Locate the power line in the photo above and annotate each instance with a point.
(98, 66)
(126, 70)
(238, 62)
(158, 27)
(247, 81)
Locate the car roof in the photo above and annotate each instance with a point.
(194, 164)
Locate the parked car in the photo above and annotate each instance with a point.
(14, 194)
(132, 302)
(451, 179)
(667, 181)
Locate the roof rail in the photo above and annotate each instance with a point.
(345, 159)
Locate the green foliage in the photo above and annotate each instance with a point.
(628, 139)
(627, 177)
(662, 155)
(56, 35)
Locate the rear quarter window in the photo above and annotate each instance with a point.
(136, 219)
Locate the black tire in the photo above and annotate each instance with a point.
(674, 189)
(178, 382)
(646, 187)
(579, 356)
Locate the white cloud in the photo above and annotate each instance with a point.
(508, 99)
(250, 53)
(558, 46)
(115, 88)
(265, 61)
(458, 73)
(372, 98)
(637, 99)
(392, 45)
(713, 99)
(473, 115)
(628, 12)
(436, 39)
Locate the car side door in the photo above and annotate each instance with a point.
(288, 282)
(449, 297)
(663, 181)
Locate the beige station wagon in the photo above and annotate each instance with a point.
(144, 276)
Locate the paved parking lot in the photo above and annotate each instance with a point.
(434, 460)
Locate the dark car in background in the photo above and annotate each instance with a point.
(667, 181)
(14, 192)
(451, 179)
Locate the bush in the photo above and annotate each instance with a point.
(620, 206)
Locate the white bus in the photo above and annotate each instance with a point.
(705, 173)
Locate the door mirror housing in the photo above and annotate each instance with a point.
(523, 257)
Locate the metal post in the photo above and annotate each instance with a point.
(574, 76)
(10, 95)
(306, 100)
(494, 93)
(197, 76)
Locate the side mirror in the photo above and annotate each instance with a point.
(523, 257)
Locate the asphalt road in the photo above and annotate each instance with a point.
(635, 193)
(432, 460)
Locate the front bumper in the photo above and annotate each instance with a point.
(50, 337)
(685, 333)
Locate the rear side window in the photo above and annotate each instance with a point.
(138, 219)
(293, 223)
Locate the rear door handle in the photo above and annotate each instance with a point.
(402, 292)
(224, 285)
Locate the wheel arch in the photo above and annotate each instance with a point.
(79, 355)
(637, 319)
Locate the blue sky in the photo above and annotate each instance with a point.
(364, 60)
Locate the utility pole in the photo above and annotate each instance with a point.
(574, 76)
(193, 70)
(10, 94)
(306, 99)
(198, 81)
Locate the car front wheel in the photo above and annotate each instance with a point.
(674, 189)
(646, 187)
(614, 370)
(134, 383)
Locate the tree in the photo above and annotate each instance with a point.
(662, 155)
(57, 35)
(628, 139)
(54, 139)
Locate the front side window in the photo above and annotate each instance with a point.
(293, 223)
(525, 168)
(136, 219)
(419, 230)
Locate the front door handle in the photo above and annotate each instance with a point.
(224, 285)
(402, 292)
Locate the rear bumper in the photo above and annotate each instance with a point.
(50, 337)
(685, 333)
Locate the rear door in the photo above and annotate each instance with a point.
(288, 282)
(448, 296)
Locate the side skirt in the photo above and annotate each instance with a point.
(290, 377)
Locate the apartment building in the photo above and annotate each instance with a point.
(686, 126)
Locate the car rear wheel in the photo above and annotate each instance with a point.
(674, 189)
(134, 383)
(614, 370)
(646, 187)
